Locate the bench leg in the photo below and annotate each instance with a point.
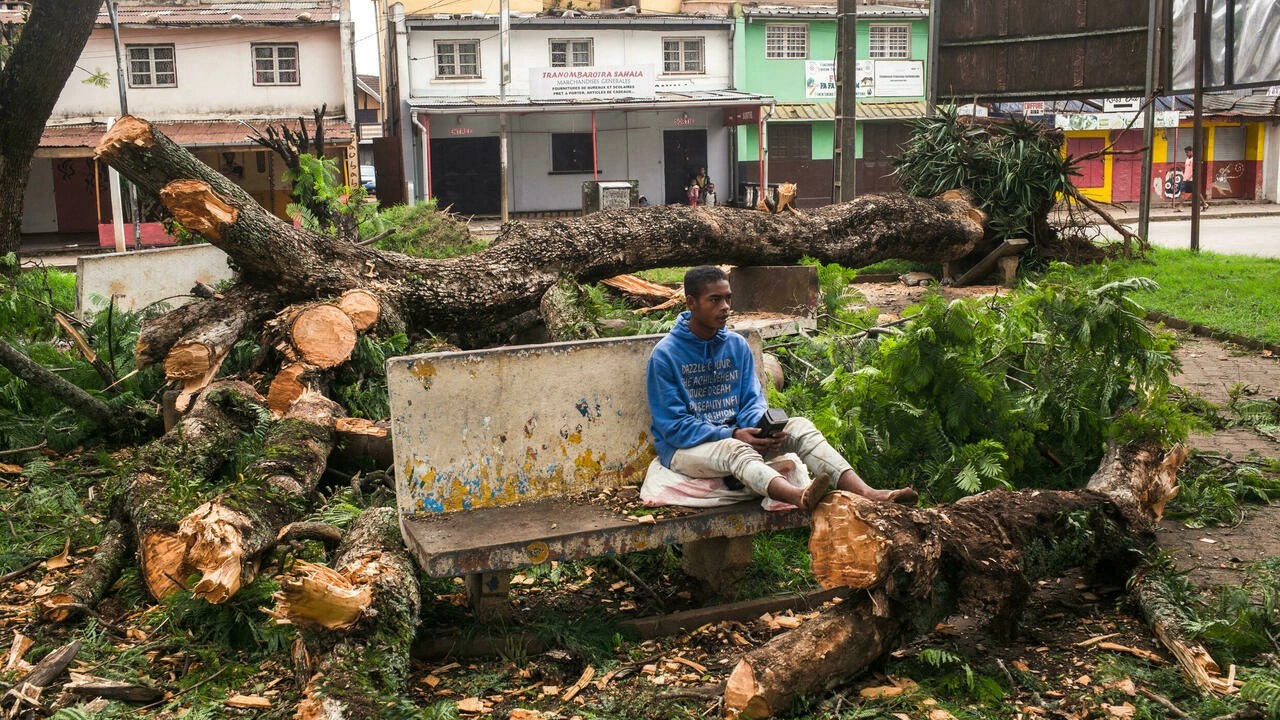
(487, 594)
(721, 563)
(1009, 270)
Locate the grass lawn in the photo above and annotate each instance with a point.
(1233, 293)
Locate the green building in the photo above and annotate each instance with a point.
(789, 53)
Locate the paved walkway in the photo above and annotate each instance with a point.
(1213, 371)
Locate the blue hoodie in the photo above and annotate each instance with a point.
(700, 390)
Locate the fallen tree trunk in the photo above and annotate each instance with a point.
(225, 536)
(372, 594)
(918, 567)
(514, 273)
(92, 580)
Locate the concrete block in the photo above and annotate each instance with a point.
(488, 428)
(719, 562)
(488, 595)
(139, 278)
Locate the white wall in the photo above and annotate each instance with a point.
(530, 48)
(39, 210)
(1271, 165)
(139, 278)
(214, 74)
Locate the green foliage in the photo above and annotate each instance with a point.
(1014, 391)
(423, 230)
(1212, 492)
(1015, 169)
(239, 623)
(360, 385)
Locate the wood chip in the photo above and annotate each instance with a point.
(689, 663)
(790, 622)
(249, 701)
(431, 681)
(583, 680)
(473, 706)
(62, 560)
(1095, 639)
(10, 469)
(445, 668)
(1136, 652)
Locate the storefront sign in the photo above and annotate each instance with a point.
(683, 119)
(819, 79)
(1033, 108)
(1128, 104)
(742, 115)
(460, 131)
(1111, 121)
(899, 78)
(592, 83)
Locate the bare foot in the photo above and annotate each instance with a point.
(901, 496)
(813, 496)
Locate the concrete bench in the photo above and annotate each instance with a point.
(499, 452)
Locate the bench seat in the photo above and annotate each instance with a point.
(510, 537)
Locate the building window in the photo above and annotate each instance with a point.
(890, 41)
(786, 41)
(682, 55)
(571, 152)
(572, 53)
(152, 66)
(791, 141)
(275, 64)
(458, 58)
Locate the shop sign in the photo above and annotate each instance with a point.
(742, 115)
(1033, 108)
(1128, 104)
(819, 79)
(899, 78)
(461, 131)
(604, 82)
(1112, 121)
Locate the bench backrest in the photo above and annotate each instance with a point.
(486, 428)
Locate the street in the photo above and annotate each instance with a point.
(1237, 236)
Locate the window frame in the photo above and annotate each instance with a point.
(456, 59)
(569, 51)
(701, 43)
(152, 73)
(781, 49)
(886, 51)
(275, 59)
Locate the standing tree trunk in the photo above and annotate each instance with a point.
(30, 83)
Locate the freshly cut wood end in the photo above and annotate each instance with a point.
(313, 407)
(323, 336)
(360, 426)
(742, 694)
(188, 360)
(198, 207)
(314, 707)
(162, 557)
(287, 386)
(128, 130)
(317, 595)
(846, 551)
(214, 537)
(362, 307)
(1165, 485)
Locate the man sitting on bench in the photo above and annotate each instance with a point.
(707, 403)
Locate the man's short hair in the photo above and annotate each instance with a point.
(698, 278)
(1187, 148)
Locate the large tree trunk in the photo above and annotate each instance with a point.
(514, 273)
(918, 567)
(30, 83)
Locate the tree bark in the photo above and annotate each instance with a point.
(513, 274)
(918, 567)
(69, 394)
(375, 592)
(91, 582)
(30, 84)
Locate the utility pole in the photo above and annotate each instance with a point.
(114, 177)
(1197, 126)
(1148, 124)
(846, 150)
(504, 72)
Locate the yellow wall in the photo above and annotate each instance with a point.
(1255, 140)
(1101, 194)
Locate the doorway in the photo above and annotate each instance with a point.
(465, 173)
(683, 152)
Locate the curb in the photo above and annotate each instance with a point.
(1203, 216)
(1208, 332)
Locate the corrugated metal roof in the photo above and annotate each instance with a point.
(593, 21)
(189, 133)
(491, 103)
(1251, 105)
(809, 112)
(816, 10)
(286, 12)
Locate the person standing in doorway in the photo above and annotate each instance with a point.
(1188, 184)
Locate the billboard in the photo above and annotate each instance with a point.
(1243, 48)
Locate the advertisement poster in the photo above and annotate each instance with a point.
(819, 79)
(866, 78)
(898, 78)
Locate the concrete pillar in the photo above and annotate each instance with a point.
(720, 563)
(487, 594)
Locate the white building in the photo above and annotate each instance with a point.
(606, 96)
(206, 73)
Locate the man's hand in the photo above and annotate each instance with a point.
(762, 445)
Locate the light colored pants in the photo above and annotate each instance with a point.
(734, 457)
